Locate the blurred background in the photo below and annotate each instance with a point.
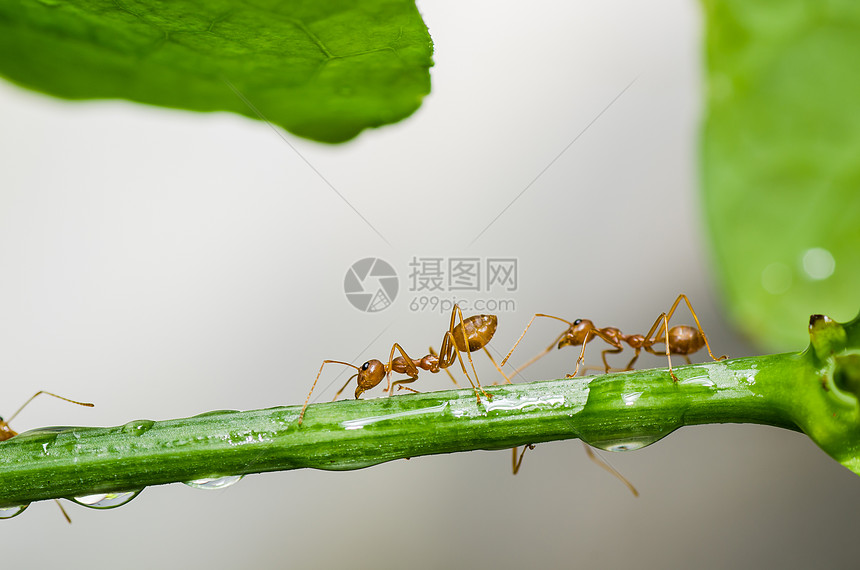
(163, 264)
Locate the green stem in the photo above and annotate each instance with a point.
(814, 392)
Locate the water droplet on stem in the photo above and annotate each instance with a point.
(138, 427)
(214, 483)
(624, 444)
(9, 512)
(106, 500)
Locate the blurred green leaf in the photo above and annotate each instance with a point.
(781, 161)
(323, 70)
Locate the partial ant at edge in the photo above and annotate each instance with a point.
(7, 432)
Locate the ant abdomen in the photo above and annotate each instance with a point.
(685, 340)
(479, 331)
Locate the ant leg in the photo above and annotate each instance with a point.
(549, 348)
(516, 464)
(308, 399)
(40, 392)
(668, 352)
(449, 345)
(589, 336)
(698, 325)
(447, 348)
(451, 376)
(537, 357)
(399, 384)
(411, 369)
(448, 372)
(610, 351)
(599, 369)
(604, 465)
(463, 366)
(468, 353)
(581, 358)
(62, 510)
(493, 360)
(649, 342)
(342, 388)
(633, 360)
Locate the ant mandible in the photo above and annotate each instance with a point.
(682, 340)
(7, 432)
(466, 336)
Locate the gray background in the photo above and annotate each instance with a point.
(163, 264)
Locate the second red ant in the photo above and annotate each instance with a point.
(682, 340)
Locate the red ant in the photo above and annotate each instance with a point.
(8, 433)
(466, 336)
(682, 340)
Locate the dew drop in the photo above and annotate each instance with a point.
(216, 413)
(44, 431)
(9, 512)
(626, 444)
(631, 397)
(214, 483)
(138, 427)
(106, 500)
(818, 263)
(699, 381)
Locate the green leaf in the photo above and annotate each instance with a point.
(781, 161)
(322, 70)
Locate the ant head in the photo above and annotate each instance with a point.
(576, 334)
(370, 374)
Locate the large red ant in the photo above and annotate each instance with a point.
(466, 336)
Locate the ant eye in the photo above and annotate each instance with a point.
(365, 366)
(577, 321)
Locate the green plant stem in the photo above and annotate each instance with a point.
(814, 392)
